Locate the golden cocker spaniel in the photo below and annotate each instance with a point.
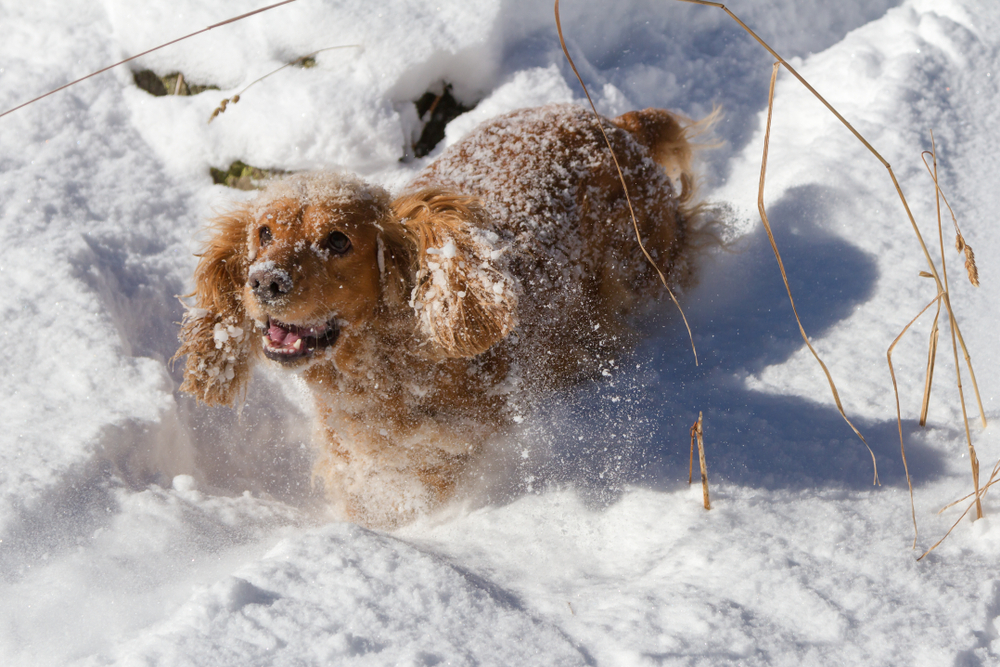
(427, 322)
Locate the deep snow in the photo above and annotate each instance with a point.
(137, 527)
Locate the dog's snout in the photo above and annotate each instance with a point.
(270, 284)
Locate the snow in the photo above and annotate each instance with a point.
(137, 527)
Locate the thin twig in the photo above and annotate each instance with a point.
(973, 459)
(932, 343)
(899, 414)
(236, 98)
(957, 521)
(139, 55)
(983, 489)
(979, 494)
(925, 404)
(878, 156)
(691, 455)
(699, 432)
(784, 276)
(961, 240)
(621, 177)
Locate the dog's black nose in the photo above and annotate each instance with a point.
(270, 284)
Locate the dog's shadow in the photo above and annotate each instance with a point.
(634, 428)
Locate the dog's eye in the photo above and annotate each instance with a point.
(337, 242)
(264, 234)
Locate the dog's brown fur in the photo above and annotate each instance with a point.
(506, 269)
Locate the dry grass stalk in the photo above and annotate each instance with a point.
(960, 241)
(301, 61)
(621, 178)
(895, 391)
(960, 244)
(943, 295)
(147, 52)
(983, 489)
(925, 404)
(784, 276)
(697, 433)
(933, 341)
(979, 494)
(882, 160)
(970, 264)
(973, 459)
(691, 456)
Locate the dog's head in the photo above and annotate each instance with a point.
(321, 257)
(313, 247)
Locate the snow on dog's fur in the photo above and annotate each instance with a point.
(424, 323)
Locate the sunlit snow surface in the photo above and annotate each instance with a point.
(138, 528)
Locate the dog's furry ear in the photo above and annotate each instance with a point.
(462, 299)
(216, 332)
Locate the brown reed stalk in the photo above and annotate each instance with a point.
(691, 456)
(979, 494)
(698, 432)
(298, 61)
(621, 178)
(147, 52)
(970, 261)
(701, 461)
(960, 243)
(899, 414)
(932, 343)
(892, 175)
(784, 276)
(925, 404)
(942, 290)
(983, 489)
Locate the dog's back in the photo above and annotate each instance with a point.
(552, 190)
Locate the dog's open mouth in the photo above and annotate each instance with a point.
(287, 342)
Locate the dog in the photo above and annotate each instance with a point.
(426, 323)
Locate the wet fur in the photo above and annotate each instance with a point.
(506, 269)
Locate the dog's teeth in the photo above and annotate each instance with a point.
(298, 344)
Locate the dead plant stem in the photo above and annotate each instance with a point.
(148, 51)
(892, 175)
(899, 414)
(784, 276)
(698, 433)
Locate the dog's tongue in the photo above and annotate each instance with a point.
(281, 336)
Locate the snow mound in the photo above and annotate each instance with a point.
(346, 596)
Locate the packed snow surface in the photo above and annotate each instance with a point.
(139, 528)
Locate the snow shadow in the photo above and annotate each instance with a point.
(634, 428)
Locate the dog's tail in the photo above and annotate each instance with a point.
(667, 136)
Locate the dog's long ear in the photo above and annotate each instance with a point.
(462, 299)
(216, 332)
